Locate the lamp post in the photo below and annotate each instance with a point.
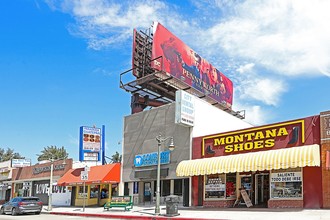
(171, 147)
(50, 192)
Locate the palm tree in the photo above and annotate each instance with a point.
(116, 158)
(9, 154)
(52, 152)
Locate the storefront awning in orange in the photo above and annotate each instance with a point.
(266, 160)
(109, 173)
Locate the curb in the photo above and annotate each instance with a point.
(126, 216)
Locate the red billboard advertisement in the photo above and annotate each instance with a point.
(184, 63)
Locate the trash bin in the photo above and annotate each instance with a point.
(172, 203)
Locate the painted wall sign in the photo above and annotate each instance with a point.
(151, 159)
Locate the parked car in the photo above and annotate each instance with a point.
(21, 205)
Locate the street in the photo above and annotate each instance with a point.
(46, 216)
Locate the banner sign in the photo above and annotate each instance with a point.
(184, 108)
(151, 159)
(182, 62)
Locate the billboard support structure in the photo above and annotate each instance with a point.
(156, 83)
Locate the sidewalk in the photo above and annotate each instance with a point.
(194, 213)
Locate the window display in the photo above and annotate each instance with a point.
(286, 184)
(220, 186)
(81, 191)
(231, 185)
(94, 191)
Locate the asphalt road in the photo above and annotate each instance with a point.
(45, 216)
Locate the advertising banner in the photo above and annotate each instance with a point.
(185, 64)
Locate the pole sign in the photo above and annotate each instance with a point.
(90, 144)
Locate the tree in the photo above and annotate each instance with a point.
(52, 152)
(9, 154)
(116, 158)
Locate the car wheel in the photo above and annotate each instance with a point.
(37, 213)
(14, 211)
(2, 211)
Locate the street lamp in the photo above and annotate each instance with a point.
(171, 147)
(52, 160)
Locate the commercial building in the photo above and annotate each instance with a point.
(139, 162)
(101, 182)
(35, 181)
(282, 165)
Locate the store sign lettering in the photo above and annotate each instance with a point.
(251, 140)
(151, 159)
(38, 170)
(44, 188)
(286, 177)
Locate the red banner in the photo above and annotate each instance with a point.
(182, 62)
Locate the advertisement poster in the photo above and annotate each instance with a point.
(185, 64)
(92, 139)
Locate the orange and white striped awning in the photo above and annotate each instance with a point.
(266, 160)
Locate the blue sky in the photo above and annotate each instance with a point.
(60, 62)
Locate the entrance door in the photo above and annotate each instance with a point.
(261, 189)
(246, 183)
(147, 192)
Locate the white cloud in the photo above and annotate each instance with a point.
(254, 42)
(289, 37)
(252, 86)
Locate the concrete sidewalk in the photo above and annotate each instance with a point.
(191, 213)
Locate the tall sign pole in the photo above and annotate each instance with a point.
(84, 177)
(103, 144)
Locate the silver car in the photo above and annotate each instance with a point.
(21, 205)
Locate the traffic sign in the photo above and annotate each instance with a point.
(84, 175)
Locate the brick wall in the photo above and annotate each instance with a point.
(219, 204)
(285, 203)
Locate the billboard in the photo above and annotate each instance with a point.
(185, 64)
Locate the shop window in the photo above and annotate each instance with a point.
(286, 183)
(215, 186)
(81, 191)
(135, 187)
(166, 188)
(94, 191)
(178, 187)
(104, 191)
(231, 185)
(114, 191)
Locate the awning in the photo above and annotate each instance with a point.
(109, 173)
(266, 160)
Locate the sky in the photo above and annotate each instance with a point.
(61, 60)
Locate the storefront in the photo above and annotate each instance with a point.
(35, 181)
(140, 146)
(5, 176)
(94, 186)
(275, 166)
